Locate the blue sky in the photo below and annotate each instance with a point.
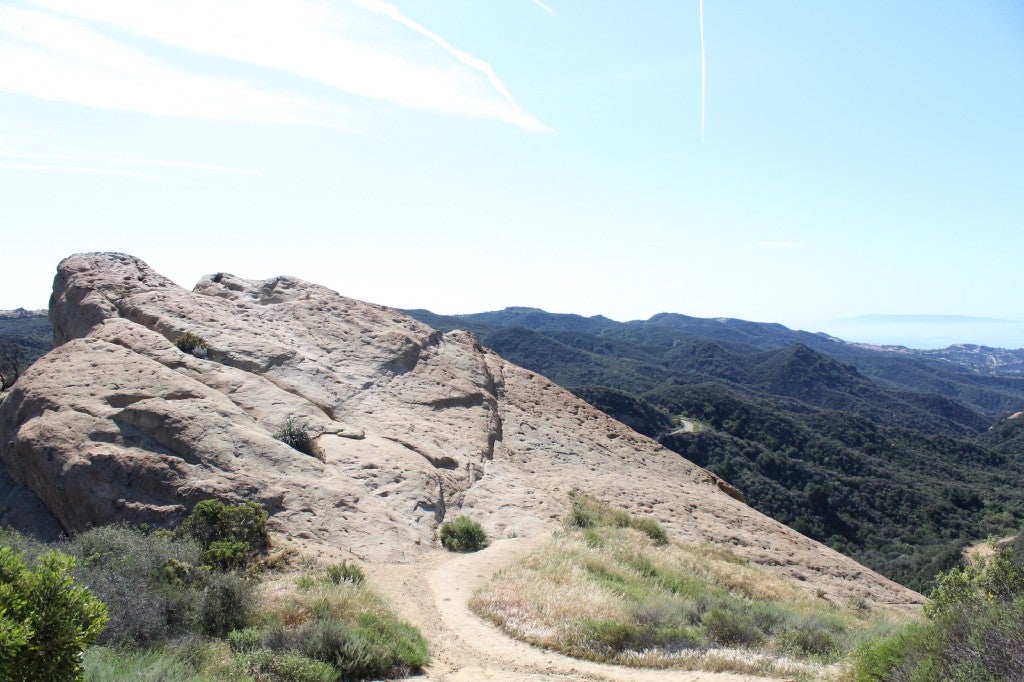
(857, 157)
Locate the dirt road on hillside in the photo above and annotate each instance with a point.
(434, 594)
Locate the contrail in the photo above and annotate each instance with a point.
(703, 74)
(544, 7)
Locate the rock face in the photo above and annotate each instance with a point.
(117, 424)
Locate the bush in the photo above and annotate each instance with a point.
(296, 436)
(246, 639)
(129, 549)
(192, 344)
(215, 521)
(345, 573)
(228, 604)
(463, 535)
(809, 638)
(973, 631)
(226, 555)
(290, 666)
(46, 620)
(150, 583)
(732, 626)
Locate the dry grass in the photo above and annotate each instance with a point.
(297, 601)
(611, 593)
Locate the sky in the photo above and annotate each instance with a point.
(814, 163)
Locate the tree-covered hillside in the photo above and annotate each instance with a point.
(885, 455)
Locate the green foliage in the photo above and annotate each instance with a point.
(246, 639)
(588, 512)
(463, 535)
(226, 555)
(973, 633)
(46, 619)
(192, 344)
(289, 666)
(731, 624)
(345, 573)
(372, 645)
(152, 584)
(296, 436)
(216, 521)
(228, 604)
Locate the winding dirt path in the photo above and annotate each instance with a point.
(434, 594)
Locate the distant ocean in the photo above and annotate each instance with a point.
(926, 331)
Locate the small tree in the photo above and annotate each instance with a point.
(46, 620)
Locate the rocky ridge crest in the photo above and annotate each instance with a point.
(415, 426)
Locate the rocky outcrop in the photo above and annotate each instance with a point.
(414, 426)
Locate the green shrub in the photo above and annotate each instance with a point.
(893, 657)
(192, 344)
(190, 660)
(732, 625)
(404, 647)
(375, 645)
(216, 521)
(611, 635)
(123, 547)
(333, 641)
(296, 436)
(226, 555)
(463, 535)
(228, 603)
(292, 666)
(246, 639)
(289, 666)
(973, 631)
(809, 637)
(46, 620)
(151, 584)
(345, 573)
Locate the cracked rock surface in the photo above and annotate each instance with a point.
(414, 426)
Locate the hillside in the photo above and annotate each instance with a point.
(878, 453)
(413, 426)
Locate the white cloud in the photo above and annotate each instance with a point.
(544, 7)
(62, 61)
(359, 48)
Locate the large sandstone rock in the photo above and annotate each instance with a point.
(117, 424)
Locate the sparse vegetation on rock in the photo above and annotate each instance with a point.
(295, 435)
(192, 344)
(589, 512)
(463, 535)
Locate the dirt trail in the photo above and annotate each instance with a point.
(434, 595)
